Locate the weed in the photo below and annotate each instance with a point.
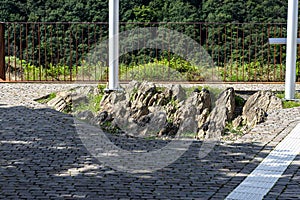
(151, 72)
(46, 99)
(93, 101)
(92, 105)
(239, 101)
(133, 94)
(110, 128)
(253, 71)
(160, 89)
(151, 137)
(188, 134)
(101, 88)
(190, 90)
(289, 104)
(233, 130)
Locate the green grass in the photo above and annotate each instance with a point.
(213, 90)
(151, 72)
(289, 104)
(47, 98)
(92, 105)
(173, 69)
(254, 71)
(93, 102)
(230, 129)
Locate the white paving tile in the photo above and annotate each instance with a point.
(243, 196)
(252, 189)
(258, 183)
(264, 176)
(255, 179)
(269, 167)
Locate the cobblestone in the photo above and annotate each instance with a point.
(41, 156)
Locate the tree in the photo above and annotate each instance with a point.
(242, 11)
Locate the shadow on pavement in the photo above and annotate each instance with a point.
(41, 156)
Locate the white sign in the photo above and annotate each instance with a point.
(280, 40)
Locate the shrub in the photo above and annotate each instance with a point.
(151, 72)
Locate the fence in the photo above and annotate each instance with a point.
(63, 51)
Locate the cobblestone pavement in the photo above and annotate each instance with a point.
(42, 157)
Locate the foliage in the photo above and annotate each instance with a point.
(254, 71)
(239, 101)
(229, 129)
(32, 72)
(101, 88)
(289, 104)
(177, 63)
(175, 69)
(151, 72)
(46, 98)
(63, 46)
(93, 101)
(51, 10)
(214, 91)
(245, 11)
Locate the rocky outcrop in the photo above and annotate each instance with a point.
(256, 116)
(258, 106)
(80, 94)
(222, 113)
(146, 109)
(237, 122)
(265, 100)
(61, 101)
(227, 99)
(178, 92)
(110, 99)
(66, 99)
(197, 105)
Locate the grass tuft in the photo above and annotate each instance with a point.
(46, 99)
(289, 104)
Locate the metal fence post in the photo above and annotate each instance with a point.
(2, 51)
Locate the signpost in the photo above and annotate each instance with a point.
(113, 82)
(291, 51)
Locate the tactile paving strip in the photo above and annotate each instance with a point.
(264, 177)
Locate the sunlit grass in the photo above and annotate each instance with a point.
(47, 98)
(287, 103)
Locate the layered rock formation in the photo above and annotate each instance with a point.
(144, 109)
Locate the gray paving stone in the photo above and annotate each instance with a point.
(39, 148)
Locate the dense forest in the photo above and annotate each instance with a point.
(145, 10)
(234, 32)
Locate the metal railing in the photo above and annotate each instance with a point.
(68, 51)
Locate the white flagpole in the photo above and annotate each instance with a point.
(291, 50)
(113, 83)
